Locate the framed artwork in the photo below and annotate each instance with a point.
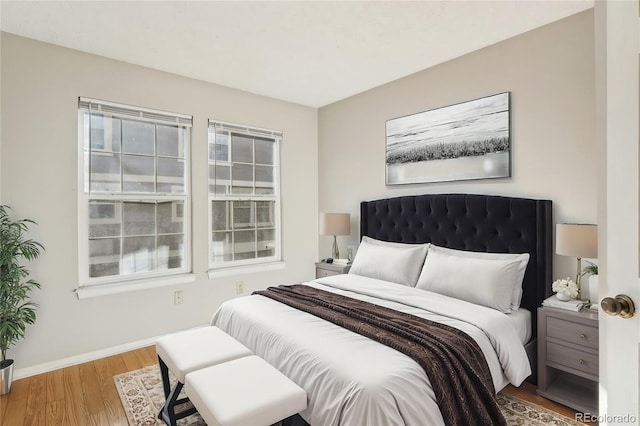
(469, 140)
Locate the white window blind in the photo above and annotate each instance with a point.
(244, 195)
(135, 192)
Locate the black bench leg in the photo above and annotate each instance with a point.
(168, 412)
(164, 372)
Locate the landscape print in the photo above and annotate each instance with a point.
(470, 140)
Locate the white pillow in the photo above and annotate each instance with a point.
(373, 241)
(522, 258)
(487, 282)
(401, 265)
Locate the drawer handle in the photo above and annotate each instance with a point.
(583, 336)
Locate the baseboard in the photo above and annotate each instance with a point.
(20, 373)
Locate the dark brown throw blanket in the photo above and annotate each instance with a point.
(453, 361)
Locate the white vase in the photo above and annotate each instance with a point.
(593, 289)
(563, 297)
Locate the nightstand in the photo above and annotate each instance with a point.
(568, 358)
(324, 269)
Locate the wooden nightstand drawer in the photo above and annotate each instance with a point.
(568, 357)
(327, 269)
(573, 332)
(321, 273)
(572, 358)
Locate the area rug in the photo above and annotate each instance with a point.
(142, 397)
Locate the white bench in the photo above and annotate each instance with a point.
(189, 351)
(245, 391)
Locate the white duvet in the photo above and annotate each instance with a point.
(352, 380)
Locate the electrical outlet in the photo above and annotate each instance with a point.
(178, 297)
(239, 287)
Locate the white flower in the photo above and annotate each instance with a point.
(566, 287)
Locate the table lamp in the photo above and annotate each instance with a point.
(335, 224)
(578, 240)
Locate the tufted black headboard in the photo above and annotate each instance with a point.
(484, 223)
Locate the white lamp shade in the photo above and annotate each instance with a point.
(577, 240)
(335, 224)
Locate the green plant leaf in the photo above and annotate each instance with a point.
(17, 310)
(590, 269)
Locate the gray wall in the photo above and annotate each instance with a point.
(41, 84)
(550, 74)
(331, 160)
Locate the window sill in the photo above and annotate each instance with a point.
(89, 291)
(246, 269)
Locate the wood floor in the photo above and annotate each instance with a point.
(85, 394)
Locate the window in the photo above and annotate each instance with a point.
(135, 193)
(244, 198)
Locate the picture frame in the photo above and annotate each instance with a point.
(465, 141)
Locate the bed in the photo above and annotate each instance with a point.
(351, 379)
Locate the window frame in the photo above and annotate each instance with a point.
(254, 132)
(85, 196)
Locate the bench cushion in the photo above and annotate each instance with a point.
(198, 348)
(245, 391)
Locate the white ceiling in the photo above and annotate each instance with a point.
(311, 53)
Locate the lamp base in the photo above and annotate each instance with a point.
(578, 275)
(335, 253)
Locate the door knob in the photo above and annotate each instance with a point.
(620, 305)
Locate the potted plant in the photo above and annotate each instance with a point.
(16, 308)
